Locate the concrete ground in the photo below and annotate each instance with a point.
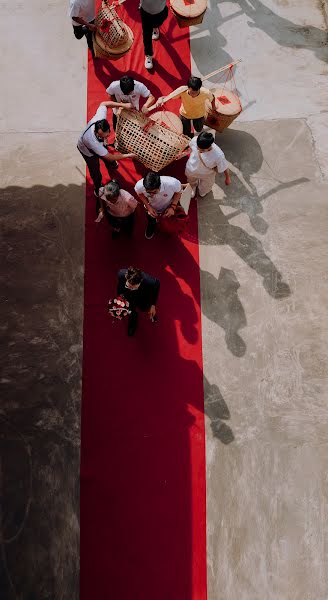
(263, 259)
(263, 253)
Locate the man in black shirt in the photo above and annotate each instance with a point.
(141, 290)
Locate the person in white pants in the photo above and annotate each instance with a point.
(205, 161)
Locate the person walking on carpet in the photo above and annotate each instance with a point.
(153, 14)
(118, 206)
(160, 195)
(205, 161)
(83, 13)
(141, 291)
(92, 144)
(128, 90)
(193, 104)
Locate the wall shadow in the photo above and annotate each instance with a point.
(41, 301)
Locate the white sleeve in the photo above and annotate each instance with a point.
(101, 113)
(177, 186)
(143, 90)
(74, 10)
(221, 162)
(97, 147)
(111, 88)
(139, 188)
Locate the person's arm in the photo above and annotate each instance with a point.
(171, 209)
(222, 167)
(175, 94)
(147, 205)
(110, 157)
(101, 211)
(115, 104)
(154, 297)
(149, 102)
(85, 23)
(227, 177)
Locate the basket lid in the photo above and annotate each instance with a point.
(226, 102)
(189, 8)
(168, 119)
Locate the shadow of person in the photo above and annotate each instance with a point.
(215, 229)
(208, 42)
(244, 153)
(217, 410)
(285, 32)
(221, 304)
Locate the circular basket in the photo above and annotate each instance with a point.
(188, 13)
(228, 108)
(168, 119)
(103, 50)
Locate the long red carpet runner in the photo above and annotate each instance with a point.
(143, 443)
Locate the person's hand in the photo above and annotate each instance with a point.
(169, 212)
(160, 101)
(228, 180)
(152, 212)
(100, 216)
(127, 105)
(152, 312)
(130, 155)
(145, 110)
(92, 27)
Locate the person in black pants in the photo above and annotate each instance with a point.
(92, 144)
(141, 290)
(153, 14)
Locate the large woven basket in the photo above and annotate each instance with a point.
(155, 145)
(113, 38)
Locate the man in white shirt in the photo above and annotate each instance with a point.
(82, 13)
(205, 161)
(160, 196)
(92, 145)
(128, 90)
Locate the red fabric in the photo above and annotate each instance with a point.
(143, 449)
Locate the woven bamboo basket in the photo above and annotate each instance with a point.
(113, 38)
(188, 12)
(155, 145)
(228, 108)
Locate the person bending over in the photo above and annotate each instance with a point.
(205, 161)
(118, 206)
(126, 92)
(92, 144)
(160, 196)
(141, 290)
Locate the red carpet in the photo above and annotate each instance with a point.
(143, 443)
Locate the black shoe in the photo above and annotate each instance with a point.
(150, 230)
(132, 324)
(116, 234)
(113, 164)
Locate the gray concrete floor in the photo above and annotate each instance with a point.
(263, 258)
(264, 287)
(43, 105)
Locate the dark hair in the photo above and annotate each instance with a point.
(134, 276)
(112, 189)
(103, 125)
(126, 84)
(152, 181)
(205, 140)
(195, 83)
